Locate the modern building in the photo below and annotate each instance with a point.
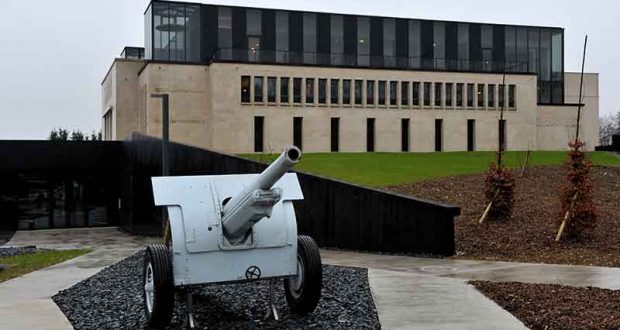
(248, 80)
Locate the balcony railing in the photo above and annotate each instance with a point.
(133, 52)
(369, 61)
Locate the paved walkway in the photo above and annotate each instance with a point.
(423, 293)
(25, 302)
(410, 293)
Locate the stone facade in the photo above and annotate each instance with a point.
(207, 109)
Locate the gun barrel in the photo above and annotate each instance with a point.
(248, 207)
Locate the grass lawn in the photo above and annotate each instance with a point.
(26, 263)
(383, 169)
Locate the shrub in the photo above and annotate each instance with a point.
(499, 187)
(582, 211)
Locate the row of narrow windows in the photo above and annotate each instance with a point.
(361, 92)
(259, 139)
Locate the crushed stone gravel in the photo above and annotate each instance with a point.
(112, 299)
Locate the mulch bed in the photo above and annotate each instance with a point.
(529, 235)
(551, 306)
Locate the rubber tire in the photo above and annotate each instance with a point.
(163, 287)
(308, 252)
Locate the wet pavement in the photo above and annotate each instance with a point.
(580, 276)
(26, 300)
(418, 293)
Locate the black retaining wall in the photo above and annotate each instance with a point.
(335, 213)
(49, 184)
(73, 184)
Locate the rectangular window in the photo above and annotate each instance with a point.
(254, 33)
(491, 96)
(404, 134)
(389, 42)
(309, 38)
(258, 133)
(501, 95)
(382, 86)
(358, 91)
(271, 89)
(480, 96)
(309, 90)
(363, 41)
(470, 95)
(511, 95)
(346, 91)
(245, 88)
(393, 92)
(370, 134)
(337, 40)
(449, 92)
(335, 134)
(502, 134)
(258, 89)
(415, 93)
(284, 88)
(297, 131)
(404, 93)
(438, 134)
(370, 92)
(471, 134)
(438, 94)
(297, 90)
(427, 94)
(322, 91)
(459, 95)
(282, 37)
(224, 32)
(334, 88)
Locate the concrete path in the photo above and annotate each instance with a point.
(413, 301)
(580, 276)
(424, 293)
(25, 302)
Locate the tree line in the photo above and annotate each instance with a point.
(608, 126)
(62, 134)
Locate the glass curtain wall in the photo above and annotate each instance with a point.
(175, 32)
(180, 32)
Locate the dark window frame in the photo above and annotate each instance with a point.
(272, 83)
(246, 96)
(259, 85)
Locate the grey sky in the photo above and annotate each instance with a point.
(54, 54)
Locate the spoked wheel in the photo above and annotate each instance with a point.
(304, 291)
(158, 286)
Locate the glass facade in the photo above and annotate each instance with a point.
(180, 32)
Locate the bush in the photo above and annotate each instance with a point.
(499, 181)
(582, 217)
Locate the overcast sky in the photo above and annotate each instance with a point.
(54, 54)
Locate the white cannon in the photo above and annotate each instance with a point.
(231, 228)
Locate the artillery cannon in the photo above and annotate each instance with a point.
(228, 229)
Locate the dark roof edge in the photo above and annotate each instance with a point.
(364, 15)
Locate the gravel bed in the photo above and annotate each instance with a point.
(112, 299)
(552, 306)
(16, 251)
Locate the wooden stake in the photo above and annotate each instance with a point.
(563, 225)
(486, 211)
(525, 163)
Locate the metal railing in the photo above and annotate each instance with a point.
(370, 61)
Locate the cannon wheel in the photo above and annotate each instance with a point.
(304, 291)
(158, 286)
